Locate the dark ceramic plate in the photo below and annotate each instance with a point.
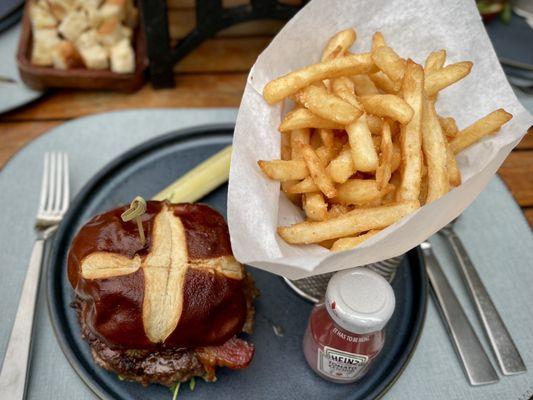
(278, 370)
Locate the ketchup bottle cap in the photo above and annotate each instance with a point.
(359, 300)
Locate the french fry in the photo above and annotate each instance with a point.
(389, 62)
(298, 136)
(286, 155)
(284, 170)
(337, 210)
(444, 77)
(360, 192)
(434, 61)
(490, 123)
(385, 83)
(289, 84)
(396, 157)
(449, 127)
(341, 167)
(395, 181)
(317, 171)
(326, 154)
(364, 155)
(327, 136)
(317, 100)
(454, 174)
(349, 224)
(411, 136)
(377, 41)
(363, 85)
(342, 40)
(344, 88)
(302, 118)
(387, 105)
(375, 124)
(306, 185)
(349, 243)
(315, 207)
(434, 148)
(384, 170)
(286, 146)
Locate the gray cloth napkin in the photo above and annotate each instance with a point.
(493, 229)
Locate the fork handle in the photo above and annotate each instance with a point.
(14, 369)
(501, 342)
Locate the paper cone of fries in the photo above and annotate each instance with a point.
(368, 138)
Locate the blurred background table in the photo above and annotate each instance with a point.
(213, 75)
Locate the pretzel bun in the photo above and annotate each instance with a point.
(182, 289)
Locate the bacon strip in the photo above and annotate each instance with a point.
(235, 354)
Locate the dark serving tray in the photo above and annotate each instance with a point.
(278, 370)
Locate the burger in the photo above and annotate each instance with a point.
(166, 310)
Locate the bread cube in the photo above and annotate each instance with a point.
(73, 25)
(41, 17)
(95, 57)
(112, 32)
(60, 8)
(122, 57)
(44, 41)
(88, 4)
(113, 9)
(87, 39)
(65, 56)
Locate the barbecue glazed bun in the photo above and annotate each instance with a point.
(182, 290)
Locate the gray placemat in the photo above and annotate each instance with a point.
(493, 229)
(12, 94)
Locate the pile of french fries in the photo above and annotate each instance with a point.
(364, 145)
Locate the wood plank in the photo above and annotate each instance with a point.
(517, 172)
(222, 90)
(183, 21)
(529, 216)
(15, 135)
(223, 55)
(527, 141)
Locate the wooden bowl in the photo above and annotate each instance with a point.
(39, 78)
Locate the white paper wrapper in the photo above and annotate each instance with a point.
(414, 29)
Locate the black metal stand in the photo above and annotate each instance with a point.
(211, 17)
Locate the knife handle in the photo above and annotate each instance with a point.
(502, 344)
(475, 361)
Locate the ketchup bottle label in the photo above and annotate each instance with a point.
(340, 364)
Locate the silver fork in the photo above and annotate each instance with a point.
(53, 204)
(501, 342)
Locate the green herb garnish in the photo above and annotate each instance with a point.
(121, 378)
(175, 388)
(506, 14)
(192, 384)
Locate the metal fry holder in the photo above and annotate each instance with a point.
(211, 17)
(313, 288)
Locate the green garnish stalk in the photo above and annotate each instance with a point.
(175, 389)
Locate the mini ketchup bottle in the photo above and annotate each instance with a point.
(345, 332)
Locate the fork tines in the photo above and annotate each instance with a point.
(54, 199)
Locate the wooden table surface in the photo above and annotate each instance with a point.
(212, 76)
